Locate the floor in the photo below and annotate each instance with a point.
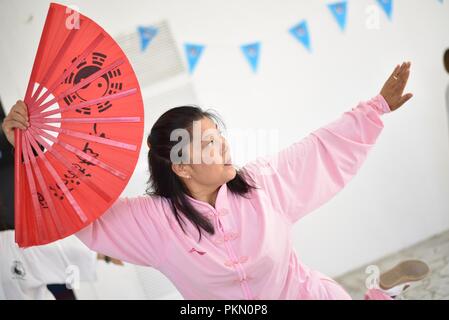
(434, 251)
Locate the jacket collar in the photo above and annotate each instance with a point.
(221, 203)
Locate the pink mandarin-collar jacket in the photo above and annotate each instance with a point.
(251, 255)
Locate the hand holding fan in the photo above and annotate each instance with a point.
(86, 126)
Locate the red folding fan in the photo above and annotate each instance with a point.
(86, 126)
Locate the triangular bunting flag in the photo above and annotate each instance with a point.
(301, 33)
(251, 52)
(146, 35)
(193, 53)
(338, 10)
(387, 6)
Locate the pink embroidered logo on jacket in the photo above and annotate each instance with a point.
(199, 252)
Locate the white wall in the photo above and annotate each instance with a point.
(401, 194)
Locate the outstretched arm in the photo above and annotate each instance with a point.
(133, 230)
(310, 172)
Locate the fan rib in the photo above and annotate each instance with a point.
(86, 103)
(19, 215)
(82, 135)
(43, 40)
(66, 191)
(79, 85)
(82, 154)
(88, 120)
(72, 66)
(69, 166)
(41, 181)
(54, 63)
(32, 186)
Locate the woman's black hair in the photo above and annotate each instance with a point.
(165, 182)
(446, 60)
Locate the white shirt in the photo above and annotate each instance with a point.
(25, 273)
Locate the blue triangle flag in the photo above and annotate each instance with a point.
(251, 52)
(193, 53)
(146, 35)
(387, 6)
(301, 33)
(338, 10)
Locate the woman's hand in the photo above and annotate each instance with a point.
(393, 89)
(16, 118)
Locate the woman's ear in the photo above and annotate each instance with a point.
(181, 170)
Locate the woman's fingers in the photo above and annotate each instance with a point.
(17, 118)
(401, 70)
(20, 109)
(404, 68)
(405, 98)
(18, 114)
(398, 73)
(394, 87)
(395, 71)
(403, 79)
(20, 118)
(10, 124)
(400, 80)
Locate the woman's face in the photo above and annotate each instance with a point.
(209, 157)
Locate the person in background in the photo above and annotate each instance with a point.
(25, 273)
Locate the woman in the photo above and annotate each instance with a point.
(219, 233)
